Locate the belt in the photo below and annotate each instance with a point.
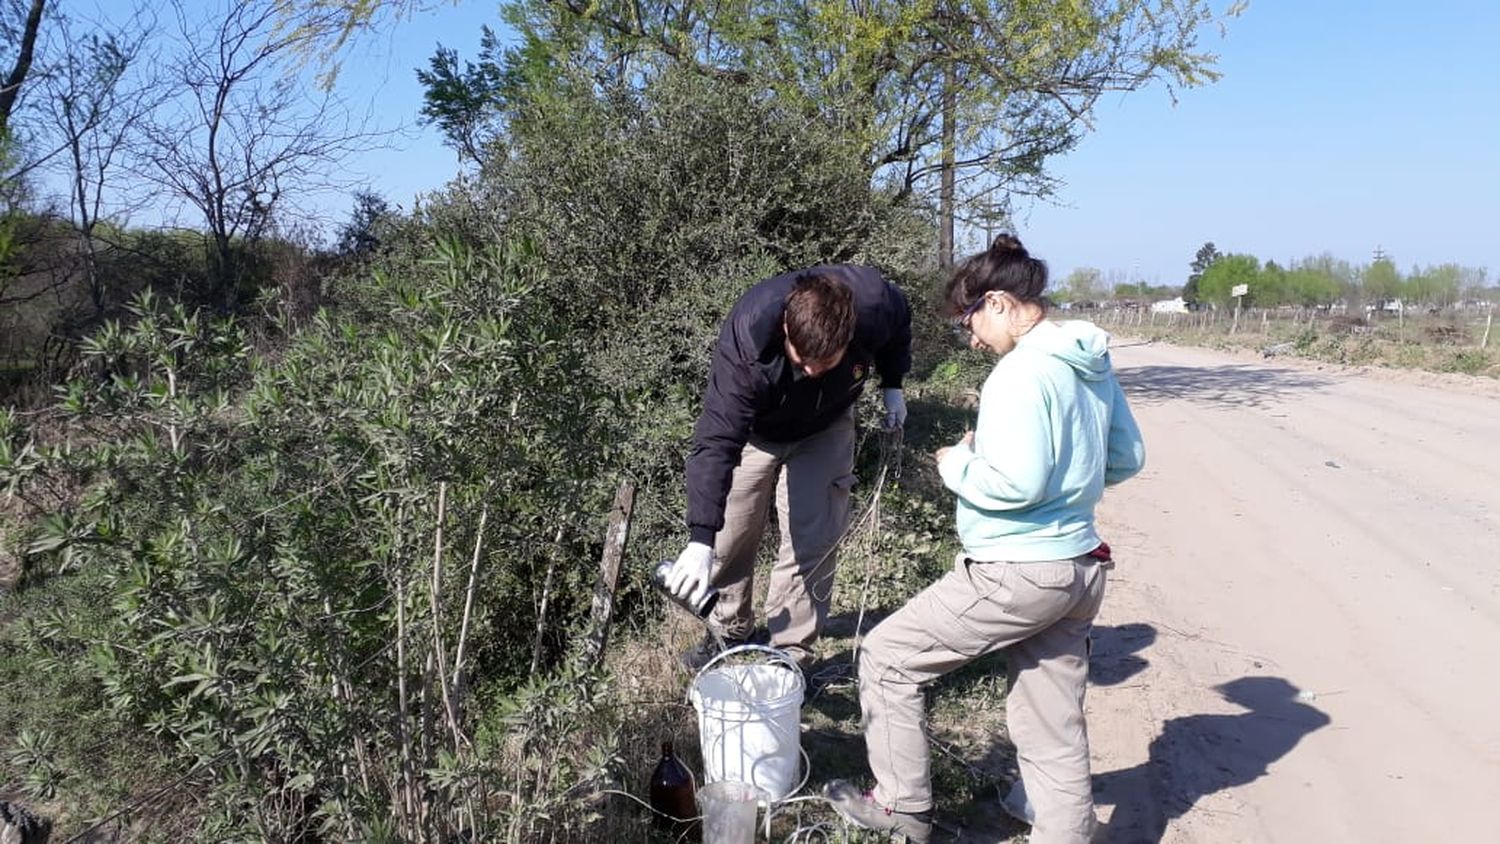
(1101, 553)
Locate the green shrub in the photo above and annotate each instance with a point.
(286, 545)
(652, 211)
(1467, 361)
(281, 535)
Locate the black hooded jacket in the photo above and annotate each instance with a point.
(753, 390)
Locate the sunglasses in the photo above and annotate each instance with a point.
(961, 322)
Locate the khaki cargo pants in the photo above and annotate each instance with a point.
(811, 479)
(1041, 614)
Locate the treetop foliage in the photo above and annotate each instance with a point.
(1323, 280)
(1019, 81)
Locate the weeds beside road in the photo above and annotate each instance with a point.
(1450, 341)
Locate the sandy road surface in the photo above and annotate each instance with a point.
(1302, 637)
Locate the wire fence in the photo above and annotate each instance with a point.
(1438, 326)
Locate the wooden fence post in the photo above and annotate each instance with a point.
(603, 608)
(1490, 318)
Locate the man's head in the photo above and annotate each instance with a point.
(819, 323)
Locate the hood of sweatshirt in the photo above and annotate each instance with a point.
(1082, 345)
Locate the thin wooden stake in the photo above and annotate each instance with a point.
(1484, 343)
(435, 599)
(541, 612)
(403, 734)
(459, 681)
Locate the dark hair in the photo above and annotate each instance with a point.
(1006, 266)
(819, 316)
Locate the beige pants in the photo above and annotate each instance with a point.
(811, 479)
(1041, 613)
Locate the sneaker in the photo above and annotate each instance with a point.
(694, 658)
(859, 808)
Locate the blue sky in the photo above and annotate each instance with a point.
(1337, 126)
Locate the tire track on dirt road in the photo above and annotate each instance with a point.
(1306, 567)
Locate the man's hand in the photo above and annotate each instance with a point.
(895, 408)
(688, 577)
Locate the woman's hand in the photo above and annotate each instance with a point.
(968, 440)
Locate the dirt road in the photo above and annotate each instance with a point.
(1302, 637)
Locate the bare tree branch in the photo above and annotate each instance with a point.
(11, 87)
(95, 118)
(241, 137)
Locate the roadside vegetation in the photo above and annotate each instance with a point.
(299, 539)
(1439, 319)
(1441, 341)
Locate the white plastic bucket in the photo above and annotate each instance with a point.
(749, 720)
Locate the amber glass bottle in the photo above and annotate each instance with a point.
(672, 795)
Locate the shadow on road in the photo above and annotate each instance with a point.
(1112, 652)
(1198, 755)
(1233, 385)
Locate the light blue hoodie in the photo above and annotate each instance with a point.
(1053, 431)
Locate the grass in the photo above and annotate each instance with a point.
(1442, 342)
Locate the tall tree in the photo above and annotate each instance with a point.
(1381, 281)
(94, 110)
(1221, 277)
(948, 191)
(362, 235)
(465, 101)
(25, 41)
(1207, 255)
(1438, 286)
(1084, 284)
(1019, 81)
(1339, 272)
(1310, 286)
(242, 136)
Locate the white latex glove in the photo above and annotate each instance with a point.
(895, 408)
(688, 578)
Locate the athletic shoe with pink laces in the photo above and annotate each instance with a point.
(858, 807)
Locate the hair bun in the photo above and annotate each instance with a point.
(1005, 244)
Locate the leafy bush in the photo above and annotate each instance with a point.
(626, 192)
(653, 210)
(321, 566)
(312, 562)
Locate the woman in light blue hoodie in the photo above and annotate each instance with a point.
(1053, 431)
